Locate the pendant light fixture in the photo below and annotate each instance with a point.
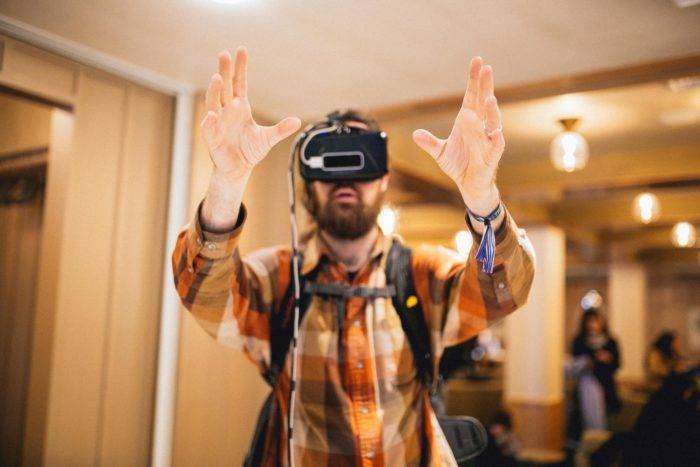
(569, 149)
(683, 235)
(646, 207)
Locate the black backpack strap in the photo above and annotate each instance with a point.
(282, 320)
(399, 274)
(465, 435)
(254, 456)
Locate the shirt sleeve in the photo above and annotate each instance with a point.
(459, 299)
(230, 296)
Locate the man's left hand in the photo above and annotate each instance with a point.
(470, 155)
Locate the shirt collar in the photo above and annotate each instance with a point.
(315, 248)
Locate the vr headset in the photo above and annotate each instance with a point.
(331, 151)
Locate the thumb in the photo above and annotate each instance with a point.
(428, 142)
(281, 130)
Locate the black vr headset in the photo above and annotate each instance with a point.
(331, 151)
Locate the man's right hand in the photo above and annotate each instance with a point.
(235, 142)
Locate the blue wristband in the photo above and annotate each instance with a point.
(487, 248)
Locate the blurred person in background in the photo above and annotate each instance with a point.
(595, 359)
(503, 446)
(664, 358)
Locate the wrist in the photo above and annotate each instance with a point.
(231, 177)
(481, 202)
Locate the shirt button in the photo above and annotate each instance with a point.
(357, 323)
(190, 269)
(501, 285)
(364, 409)
(359, 365)
(199, 241)
(210, 245)
(370, 455)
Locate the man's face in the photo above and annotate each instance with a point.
(346, 209)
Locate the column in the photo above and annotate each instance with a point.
(534, 382)
(627, 288)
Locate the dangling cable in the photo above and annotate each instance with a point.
(297, 295)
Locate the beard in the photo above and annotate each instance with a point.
(343, 220)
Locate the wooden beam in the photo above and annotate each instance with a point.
(602, 79)
(408, 182)
(688, 256)
(603, 170)
(641, 238)
(615, 209)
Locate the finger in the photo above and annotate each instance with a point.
(492, 114)
(470, 95)
(227, 77)
(428, 142)
(212, 99)
(281, 130)
(485, 88)
(240, 78)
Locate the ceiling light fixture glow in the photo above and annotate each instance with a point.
(646, 207)
(464, 242)
(387, 220)
(683, 235)
(569, 149)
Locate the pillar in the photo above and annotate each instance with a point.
(627, 288)
(534, 382)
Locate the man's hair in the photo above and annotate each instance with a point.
(352, 115)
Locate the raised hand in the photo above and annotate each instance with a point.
(235, 141)
(471, 152)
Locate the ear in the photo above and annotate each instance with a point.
(384, 185)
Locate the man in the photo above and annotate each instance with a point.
(358, 400)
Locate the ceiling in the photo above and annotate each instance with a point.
(312, 56)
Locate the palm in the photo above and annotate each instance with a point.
(235, 141)
(470, 155)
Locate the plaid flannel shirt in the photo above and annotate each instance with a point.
(370, 409)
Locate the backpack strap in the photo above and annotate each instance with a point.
(407, 305)
(399, 277)
(281, 321)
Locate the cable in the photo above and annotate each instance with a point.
(297, 294)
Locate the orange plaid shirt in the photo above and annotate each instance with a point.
(367, 408)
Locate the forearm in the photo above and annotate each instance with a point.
(223, 201)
